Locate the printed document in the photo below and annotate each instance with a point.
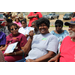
(11, 47)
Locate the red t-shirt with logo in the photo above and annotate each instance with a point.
(21, 39)
(33, 19)
(67, 50)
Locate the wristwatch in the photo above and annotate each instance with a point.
(15, 53)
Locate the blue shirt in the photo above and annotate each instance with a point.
(60, 36)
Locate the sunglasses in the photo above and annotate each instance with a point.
(58, 25)
(14, 29)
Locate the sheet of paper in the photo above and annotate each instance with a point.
(29, 29)
(11, 47)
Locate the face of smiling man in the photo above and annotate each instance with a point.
(72, 31)
(43, 28)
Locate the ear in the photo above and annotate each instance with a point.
(62, 27)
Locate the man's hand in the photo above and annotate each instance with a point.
(55, 59)
(37, 16)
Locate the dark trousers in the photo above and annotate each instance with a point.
(22, 60)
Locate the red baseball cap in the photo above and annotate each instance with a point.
(72, 22)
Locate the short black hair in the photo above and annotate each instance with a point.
(24, 20)
(43, 20)
(59, 22)
(12, 24)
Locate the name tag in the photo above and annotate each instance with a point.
(44, 39)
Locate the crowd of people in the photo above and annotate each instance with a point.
(35, 42)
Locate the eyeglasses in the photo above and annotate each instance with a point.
(14, 29)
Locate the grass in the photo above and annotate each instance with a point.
(63, 26)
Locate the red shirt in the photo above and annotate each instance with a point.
(67, 50)
(33, 19)
(3, 24)
(21, 39)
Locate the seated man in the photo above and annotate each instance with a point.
(67, 49)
